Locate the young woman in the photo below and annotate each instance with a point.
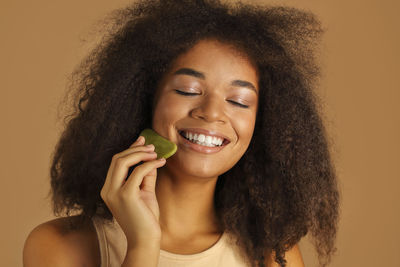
(232, 87)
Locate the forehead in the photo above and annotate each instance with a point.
(218, 61)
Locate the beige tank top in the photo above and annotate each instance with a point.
(113, 245)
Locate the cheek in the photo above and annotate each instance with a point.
(166, 112)
(244, 125)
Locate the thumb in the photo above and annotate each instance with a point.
(149, 182)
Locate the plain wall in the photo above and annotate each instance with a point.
(41, 42)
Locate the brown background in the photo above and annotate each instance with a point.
(41, 42)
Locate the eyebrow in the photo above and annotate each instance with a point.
(200, 75)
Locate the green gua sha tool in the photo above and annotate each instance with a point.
(163, 147)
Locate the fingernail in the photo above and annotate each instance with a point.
(161, 159)
(151, 146)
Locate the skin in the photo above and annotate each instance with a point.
(169, 205)
(185, 185)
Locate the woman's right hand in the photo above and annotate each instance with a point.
(133, 201)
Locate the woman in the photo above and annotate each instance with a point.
(231, 85)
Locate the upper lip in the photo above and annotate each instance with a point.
(205, 132)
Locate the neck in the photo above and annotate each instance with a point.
(186, 204)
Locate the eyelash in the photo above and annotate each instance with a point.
(230, 101)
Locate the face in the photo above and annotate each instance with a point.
(209, 95)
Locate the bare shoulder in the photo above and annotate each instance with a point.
(54, 243)
(293, 258)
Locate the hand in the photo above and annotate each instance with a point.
(133, 201)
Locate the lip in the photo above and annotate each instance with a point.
(207, 132)
(199, 148)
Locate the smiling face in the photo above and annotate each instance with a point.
(210, 94)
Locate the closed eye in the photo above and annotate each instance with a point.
(185, 93)
(237, 104)
(193, 94)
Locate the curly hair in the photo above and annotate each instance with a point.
(283, 186)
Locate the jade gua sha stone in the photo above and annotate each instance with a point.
(163, 147)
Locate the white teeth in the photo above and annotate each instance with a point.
(214, 140)
(217, 141)
(204, 144)
(204, 140)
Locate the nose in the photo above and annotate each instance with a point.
(210, 109)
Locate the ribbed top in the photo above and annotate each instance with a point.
(113, 246)
(208, 252)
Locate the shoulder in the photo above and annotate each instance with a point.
(293, 258)
(53, 243)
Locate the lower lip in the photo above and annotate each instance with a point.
(200, 148)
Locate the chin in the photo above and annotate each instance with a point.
(207, 169)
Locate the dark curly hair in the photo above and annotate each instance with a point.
(290, 185)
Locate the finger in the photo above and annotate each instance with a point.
(149, 182)
(106, 187)
(138, 174)
(122, 165)
(138, 148)
(128, 151)
(139, 142)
